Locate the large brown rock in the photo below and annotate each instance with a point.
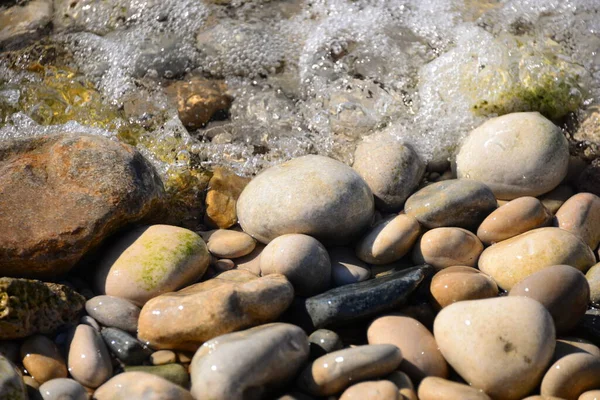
(224, 188)
(62, 194)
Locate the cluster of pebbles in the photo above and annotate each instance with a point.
(390, 280)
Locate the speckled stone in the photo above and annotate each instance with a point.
(138, 385)
(225, 243)
(323, 341)
(162, 357)
(372, 390)
(114, 312)
(571, 376)
(42, 359)
(88, 359)
(580, 215)
(434, 388)
(461, 283)
(346, 268)
(63, 389)
(175, 373)
(593, 278)
(11, 384)
(124, 346)
(447, 247)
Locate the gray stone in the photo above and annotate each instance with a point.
(323, 341)
(63, 389)
(346, 268)
(175, 373)
(11, 384)
(114, 311)
(20, 24)
(124, 346)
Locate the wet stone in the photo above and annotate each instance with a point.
(580, 215)
(346, 268)
(174, 373)
(372, 390)
(447, 247)
(434, 388)
(571, 376)
(162, 357)
(88, 359)
(323, 341)
(593, 278)
(11, 384)
(42, 359)
(63, 389)
(225, 243)
(135, 385)
(224, 188)
(124, 346)
(461, 283)
(114, 312)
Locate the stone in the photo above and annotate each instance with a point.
(404, 385)
(514, 259)
(590, 325)
(567, 346)
(87, 320)
(349, 303)
(88, 358)
(515, 217)
(562, 289)
(63, 389)
(301, 259)
(151, 260)
(590, 395)
(571, 376)
(222, 265)
(460, 203)
(501, 346)
(232, 301)
(63, 194)
(389, 240)
(11, 350)
(372, 390)
(175, 373)
(421, 357)
(124, 346)
(225, 243)
(162, 357)
(29, 307)
(295, 396)
(250, 363)
(589, 179)
(555, 198)
(334, 372)
(518, 154)
(435, 388)
(580, 215)
(11, 384)
(392, 170)
(323, 341)
(304, 196)
(346, 268)
(460, 283)
(135, 385)
(42, 359)
(23, 23)
(447, 247)
(114, 312)
(251, 262)
(593, 278)
(224, 189)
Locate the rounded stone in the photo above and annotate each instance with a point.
(251, 262)
(515, 217)
(314, 195)
(501, 346)
(566, 346)
(514, 259)
(11, 384)
(404, 385)
(580, 215)
(593, 278)
(391, 169)
(346, 268)
(323, 341)
(518, 154)
(175, 373)
(447, 247)
(590, 395)
(421, 357)
(42, 359)
(571, 376)
(137, 385)
(88, 359)
(87, 320)
(162, 357)
(301, 259)
(434, 388)
(114, 312)
(124, 346)
(562, 289)
(554, 199)
(372, 390)
(225, 243)
(389, 240)
(63, 389)
(461, 283)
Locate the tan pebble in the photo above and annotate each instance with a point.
(446, 247)
(539, 397)
(502, 202)
(140, 385)
(225, 243)
(571, 376)
(404, 385)
(162, 357)
(29, 381)
(566, 346)
(434, 388)
(580, 215)
(346, 268)
(461, 283)
(593, 278)
(372, 390)
(184, 357)
(590, 395)
(42, 359)
(88, 359)
(554, 199)
(224, 264)
(389, 240)
(224, 188)
(251, 262)
(517, 216)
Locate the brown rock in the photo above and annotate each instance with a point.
(461, 283)
(434, 388)
(389, 240)
(251, 262)
(224, 188)
(42, 359)
(225, 243)
(571, 376)
(372, 390)
(140, 385)
(593, 278)
(580, 215)
(447, 247)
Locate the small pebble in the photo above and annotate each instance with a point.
(593, 278)
(223, 264)
(114, 312)
(346, 268)
(87, 320)
(163, 357)
(571, 376)
(42, 359)
(461, 283)
(88, 359)
(175, 373)
(447, 247)
(372, 390)
(63, 389)
(404, 385)
(434, 388)
(224, 243)
(140, 385)
(251, 262)
(323, 341)
(124, 346)
(580, 215)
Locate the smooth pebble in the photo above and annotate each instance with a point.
(225, 243)
(372, 390)
(114, 312)
(346, 268)
(42, 359)
(461, 283)
(88, 359)
(580, 215)
(447, 247)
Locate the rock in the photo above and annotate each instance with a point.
(554, 199)
(434, 388)
(335, 371)
(590, 325)
(362, 300)
(372, 390)
(515, 217)
(295, 396)
(174, 373)
(391, 169)
(64, 194)
(231, 301)
(224, 243)
(301, 259)
(135, 385)
(501, 346)
(447, 247)
(87, 320)
(389, 240)
(512, 260)
(404, 385)
(163, 56)
(593, 278)
(323, 341)
(30, 307)
(590, 395)
(23, 23)
(248, 364)
(162, 357)
(88, 359)
(42, 359)
(421, 357)
(224, 189)
(346, 268)
(114, 312)
(223, 265)
(567, 346)
(460, 203)
(562, 289)
(460, 283)
(124, 346)
(304, 196)
(152, 260)
(251, 262)
(11, 350)
(589, 179)
(571, 376)
(11, 384)
(63, 389)
(518, 154)
(580, 215)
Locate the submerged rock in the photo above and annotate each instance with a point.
(21, 24)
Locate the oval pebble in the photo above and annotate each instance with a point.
(63, 389)
(323, 341)
(42, 359)
(593, 278)
(404, 385)
(114, 312)
(124, 346)
(162, 357)
(447, 247)
(580, 215)
(346, 268)
(224, 243)
(88, 359)
(571, 376)
(175, 373)
(590, 395)
(372, 390)
(461, 283)
(140, 385)
(434, 388)
(389, 240)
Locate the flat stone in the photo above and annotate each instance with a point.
(11, 384)
(593, 278)
(389, 240)
(225, 243)
(372, 390)
(304, 196)
(461, 203)
(136, 385)
(233, 300)
(30, 307)
(162, 357)
(224, 189)
(362, 300)
(88, 359)
(323, 341)
(447, 247)
(114, 312)
(461, 283)
(23, 23)
(63, 194)
(554, 199)
(124, 346)
(175, 373)
(63, 389)
(250, 363)
(434, 388)
(580, 215)
(571, 376)
(346, 268)
(42, 359)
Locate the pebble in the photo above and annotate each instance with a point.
(554, 199)
(461, 283)
(140, 385)
(11, 384)
(222, 265)
(366, 299)
(562, 289)
(404, 385)
(580, 215)
(346, 268)
(391, 169)
(435, 388)
(460, 203)
(421, 357)
(88, 359)
(590, 395)
(566, 346)
(114, 312)
(251, 262)
(248, 363)
(63, 389)
(501, 345)
(301, 259)
(593, 278)
(514, 259)
(31, 383)
(224, 188)
(152, 260)
(23, 23)
(304, 196)
(175, 373)
(231, 301)
(225, 243)
(42, 359)
(334, 372)
(124, 346)
(372, 390)
(518, 154)
(447, 247)
(571, 376)
(323, 341)
(389, 240)
(515, 217)
(10, 350)
(162, 357)
(87, 320)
